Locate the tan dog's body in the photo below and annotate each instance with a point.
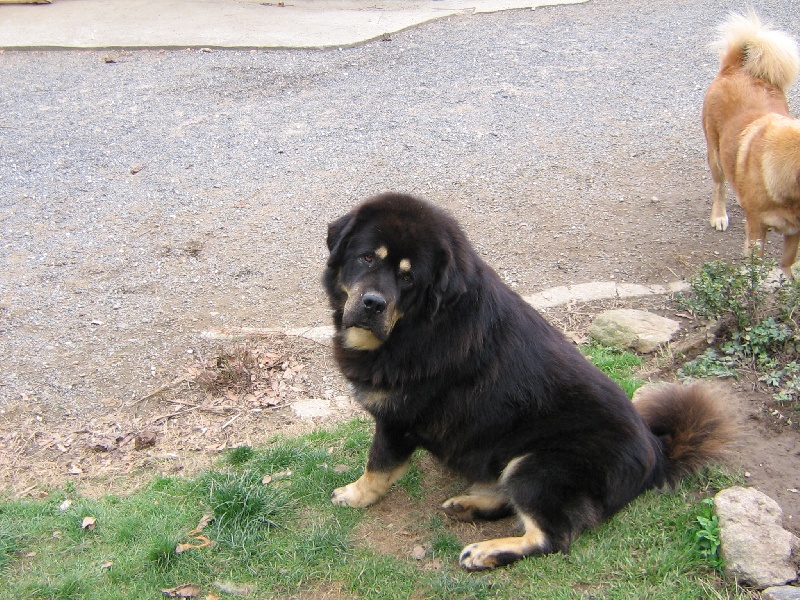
(753, 142)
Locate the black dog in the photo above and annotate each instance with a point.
(445, 356)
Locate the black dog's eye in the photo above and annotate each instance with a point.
(407, 278)
(368, 257)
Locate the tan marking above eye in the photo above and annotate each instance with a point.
(382, 252)
(405, 265)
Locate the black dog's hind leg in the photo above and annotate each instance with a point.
(480, 501)
(551, 506)
(388, 460)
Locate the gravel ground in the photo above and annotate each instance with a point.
(148, 196)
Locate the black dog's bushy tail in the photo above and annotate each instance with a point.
(693, 422)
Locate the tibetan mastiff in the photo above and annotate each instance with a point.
(753, 142)
(448, 358)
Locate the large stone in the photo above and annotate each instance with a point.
(784, 592)
(757, 550)
(639, 330)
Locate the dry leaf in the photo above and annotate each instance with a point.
(107, 565)
(207, 518)
(145, 439)
(266, 479)
(419, 553)
(188, 590)
(88, 523)
(204, 542)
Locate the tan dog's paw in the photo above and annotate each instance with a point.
(720, 223)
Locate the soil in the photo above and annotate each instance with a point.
(152, 196)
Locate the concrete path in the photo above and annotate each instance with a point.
(225, 23)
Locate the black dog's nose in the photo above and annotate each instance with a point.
(373, 303)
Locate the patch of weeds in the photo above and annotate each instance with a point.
(722, 289)
(787, 381)
(709, 364)
(706, 532)
(762, 332)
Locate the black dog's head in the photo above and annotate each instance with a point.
(391, 258)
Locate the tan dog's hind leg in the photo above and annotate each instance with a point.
(367, 489)
(719, 216)
(480, 502)
(504, 551)
(756, 233)
(790, 243)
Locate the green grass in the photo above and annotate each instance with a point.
(284, 538)
(618, 364)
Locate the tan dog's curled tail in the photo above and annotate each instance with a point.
(693, 422)
(761, 52)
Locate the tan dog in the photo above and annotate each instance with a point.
(753, 142)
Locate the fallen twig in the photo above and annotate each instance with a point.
(156, 392)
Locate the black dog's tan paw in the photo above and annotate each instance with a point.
(504, 551)
(470, 507)
(488, 555)
(367, 489)
(354, 496)
(454, 509)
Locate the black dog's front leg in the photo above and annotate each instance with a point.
(389, 456)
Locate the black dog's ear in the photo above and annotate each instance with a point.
(451, 280)
(338, 232)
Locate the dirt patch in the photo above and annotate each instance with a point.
(239, 393)
(218, 401)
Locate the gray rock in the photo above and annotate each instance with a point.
(784, 592)
(639, 330)
(757, 550)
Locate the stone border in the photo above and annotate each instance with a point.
(556, 296)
